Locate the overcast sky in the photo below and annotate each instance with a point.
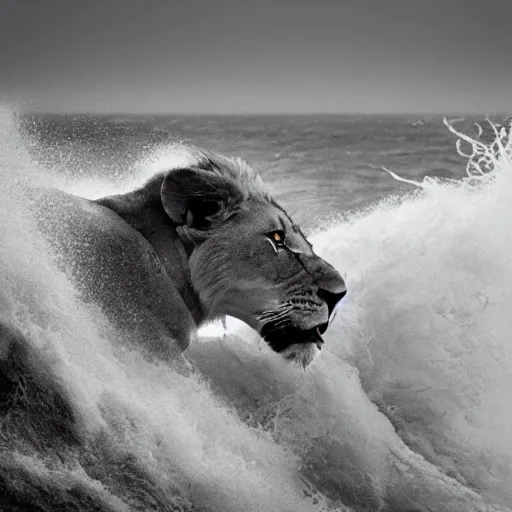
(235, 56)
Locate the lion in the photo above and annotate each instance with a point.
(193, 244)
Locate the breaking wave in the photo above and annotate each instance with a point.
(408, 406)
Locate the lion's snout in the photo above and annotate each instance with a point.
(332, 300)
(331, 287)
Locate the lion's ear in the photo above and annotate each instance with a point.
(194, 197)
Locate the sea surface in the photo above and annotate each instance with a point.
(408, 405)
(317, 165)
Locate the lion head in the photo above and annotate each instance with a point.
(247, 258)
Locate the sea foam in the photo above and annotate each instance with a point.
(407, 405)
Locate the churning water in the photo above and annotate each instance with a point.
(407, 408)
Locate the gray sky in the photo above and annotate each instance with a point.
(257, 56)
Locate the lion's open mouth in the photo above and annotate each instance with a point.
(281, 339)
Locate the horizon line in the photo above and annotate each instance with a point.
(257, 114)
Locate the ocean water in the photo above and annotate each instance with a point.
(317, 166)
(406, 409)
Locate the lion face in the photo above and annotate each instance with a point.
(249, 260)
(272, 280)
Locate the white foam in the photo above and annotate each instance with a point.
(427, 318)
(424, 332)
(183, 433)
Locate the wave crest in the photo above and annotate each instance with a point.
(405, 408)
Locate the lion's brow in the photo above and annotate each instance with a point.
(295, 227)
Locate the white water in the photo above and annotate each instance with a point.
(425, 333)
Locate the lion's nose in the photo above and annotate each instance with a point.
(333, 299)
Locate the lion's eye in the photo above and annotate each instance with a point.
(277, 237)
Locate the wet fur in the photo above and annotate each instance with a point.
(174, 253)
